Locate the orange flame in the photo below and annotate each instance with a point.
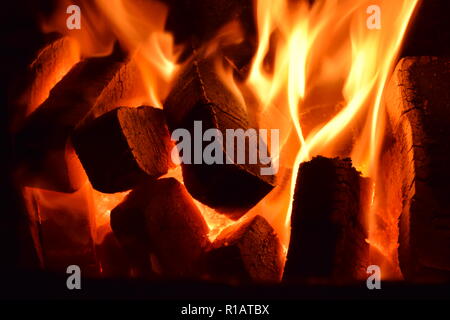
(138, 26)
(327, 50)
(310, 59)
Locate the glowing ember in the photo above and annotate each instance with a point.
(328, 50)
(309, 57)
(216, 222)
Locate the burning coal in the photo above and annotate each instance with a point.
(312, 74)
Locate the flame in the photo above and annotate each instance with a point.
(138, 26)
(44, 82)
(104, 203)
(327, 49)
(310, 58)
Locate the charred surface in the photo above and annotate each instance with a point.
(199, 95)
(248, 253)
(415, 162)
(124, 147)
(328, 234)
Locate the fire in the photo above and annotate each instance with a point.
(216, 222)
(138, 26)
(309, 57)
(327, 49)
(37, 97)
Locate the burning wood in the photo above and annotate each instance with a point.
(248, 252)
(31, 72)
(126, 88)
(52, 61)
(286, 66)
(327, 226)
(46, 157)
(123, 147)
(200, 95)
(415, 162)
(160, 217)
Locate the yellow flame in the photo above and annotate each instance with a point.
(310, 57)
(307, 51)
(139, 26)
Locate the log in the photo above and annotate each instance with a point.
(46, 158)
(200, 95)
(175, 225)
(414, 163)
(247, 253)
(19, 242)
(124, 147)
(161, 218)
(328, 232)
(49, 59)
(54, 59)
(126, 88)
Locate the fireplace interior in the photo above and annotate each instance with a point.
(358, 151)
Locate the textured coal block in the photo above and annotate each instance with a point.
(160, 218)
(248, 253)
(328, 234)
(123, 147)
(414, 163)
(200, 95)
(51, 61)
(45, 155)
